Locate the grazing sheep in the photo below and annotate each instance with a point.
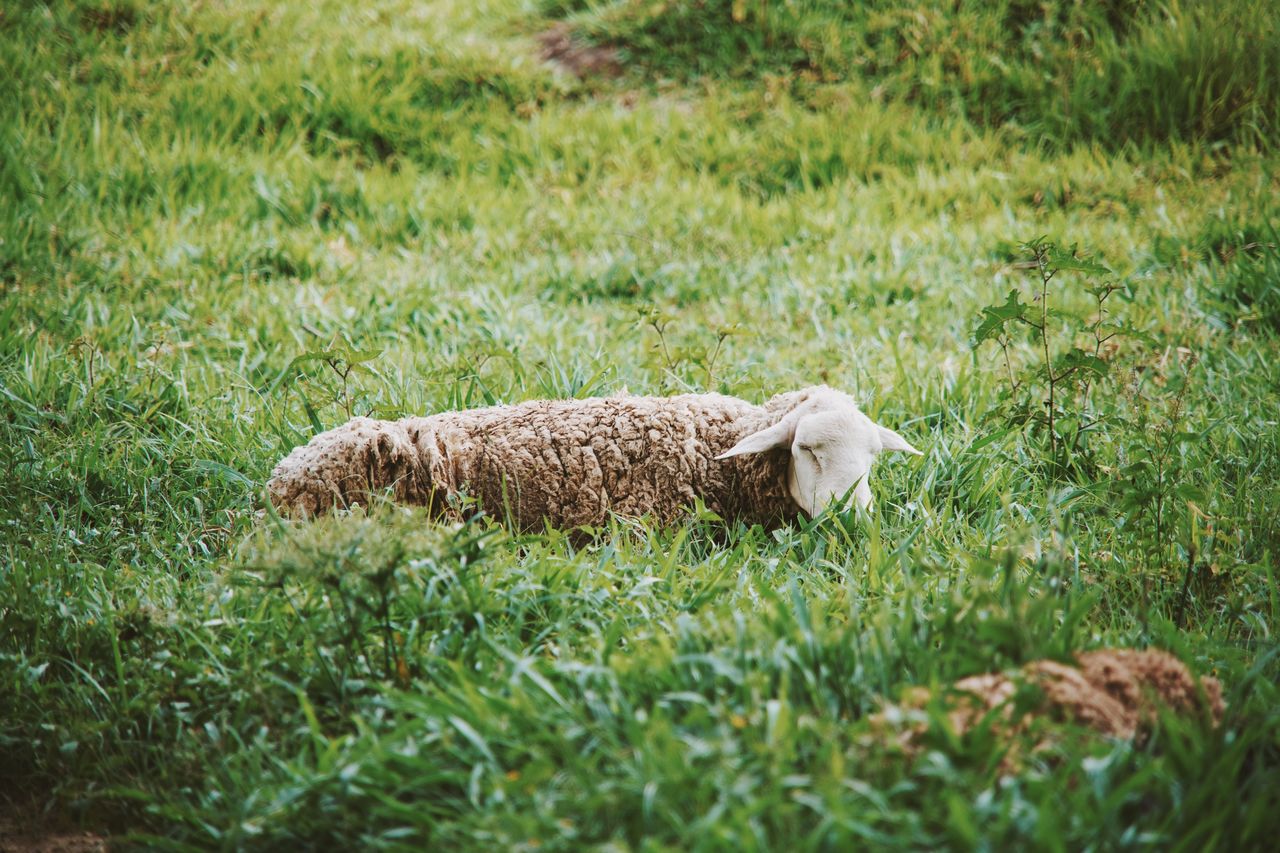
(572, 462)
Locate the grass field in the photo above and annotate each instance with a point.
(768, 195)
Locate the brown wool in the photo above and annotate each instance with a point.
(565, 462)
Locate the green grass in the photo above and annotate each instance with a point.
(1056, 72)
(194, 195)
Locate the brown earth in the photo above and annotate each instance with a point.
(582, 60)
(1115, 692)
(25, 828)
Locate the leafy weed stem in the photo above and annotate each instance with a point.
(1046, 275)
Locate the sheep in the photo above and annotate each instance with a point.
(570, 463)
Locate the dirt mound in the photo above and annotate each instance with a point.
(560, 47)
(63, 842)
(1116, 692)
(27, 831)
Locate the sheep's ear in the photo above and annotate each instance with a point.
(890, 440)
(771, 438)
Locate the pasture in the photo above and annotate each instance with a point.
(1040, 240)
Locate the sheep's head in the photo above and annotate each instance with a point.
(833, 445)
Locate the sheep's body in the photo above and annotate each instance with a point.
(564, 462)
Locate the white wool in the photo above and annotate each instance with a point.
(833, 445)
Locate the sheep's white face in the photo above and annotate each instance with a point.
(833, 445)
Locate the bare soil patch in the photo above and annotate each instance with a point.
(26, 828)
(560, 47)
(1116, 692)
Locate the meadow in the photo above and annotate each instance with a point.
(1040, 239)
